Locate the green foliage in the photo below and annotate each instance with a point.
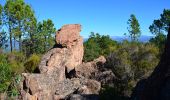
(17, 67)
(20, 14)
(5, 74)
(1, 8)
(134, 28)
(92, 50)
(158, 28)
(32, 63)
(121, 63)
(16, 60)
(146, 61)
(108, 93)
(98, 45)
(9, 81)
(44, 38)
(165, 19)
(131, 62)
(159, 41)
(9, 73)
(3, 39)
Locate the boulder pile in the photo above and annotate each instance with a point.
(63, 75)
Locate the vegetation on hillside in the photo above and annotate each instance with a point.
(130, 61)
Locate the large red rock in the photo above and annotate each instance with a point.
(68, 50)
(68, 34)
(96, 70)
(75, 55)
(51, 83)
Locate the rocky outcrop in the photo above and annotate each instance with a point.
(156, 86)
(62, 73)
(68, 36)
(67, 52)
(96, 70)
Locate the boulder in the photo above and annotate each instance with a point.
(96, 70)
(75, 55)
(77, 86)
(68, 51)
(84, 97)
(68, 35)
(53, 81)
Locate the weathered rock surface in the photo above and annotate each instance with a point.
(96, 70)
(54, 82)
(157, 86)
(67, 52)
(68, 34)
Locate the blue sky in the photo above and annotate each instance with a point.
(102, 16)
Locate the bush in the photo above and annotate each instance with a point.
(130, 63)
(17, 67)
(5, 74)
(146, 61)
(9, 78)
(109, 93)
(32, 63)
(16, 56)
(159, 41)
(16, 61)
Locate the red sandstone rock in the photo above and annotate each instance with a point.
(71, 52)
(68, 34)
(51, 83)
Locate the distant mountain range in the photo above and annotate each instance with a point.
(143, 38)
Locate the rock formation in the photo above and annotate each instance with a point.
(67, 52)
(157, 86)
(62, 73)
(96, 70)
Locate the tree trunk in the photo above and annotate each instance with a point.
(20, 41)
(31, 43)
(45, 44)
(11, 48)
(14, 43)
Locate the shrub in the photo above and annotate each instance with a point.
(15, 56)
(159, 41)
(32, 63)
(9, 80)
(130, 63)
(16, 60)
(5, 74)
(108, 93)
(17, 67)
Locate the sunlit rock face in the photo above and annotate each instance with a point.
(157, 86)
(57, 78)
(67, 52)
